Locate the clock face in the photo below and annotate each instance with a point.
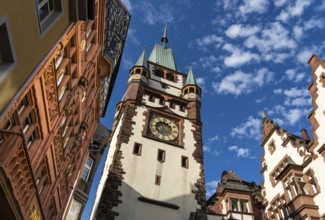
(163, 128)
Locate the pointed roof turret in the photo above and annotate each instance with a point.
(190, 79)
(142, 61)
(164, 39)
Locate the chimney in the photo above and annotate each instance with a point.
(304, 134)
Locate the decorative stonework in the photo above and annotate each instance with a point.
(21, 179)
(58, 148)
(51, 93)
(111, 192)
(200, 183)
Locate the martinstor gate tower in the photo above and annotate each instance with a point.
(154, 168)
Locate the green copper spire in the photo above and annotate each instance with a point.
(142, 61)
(164, 39)
(162, 55)
(190, 79)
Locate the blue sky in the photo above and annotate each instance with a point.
(248, 56)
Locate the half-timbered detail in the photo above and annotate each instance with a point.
(47, 126)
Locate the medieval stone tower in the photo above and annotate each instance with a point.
(154, 168)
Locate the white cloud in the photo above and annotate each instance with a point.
(301, 29)
(238, 57)
(132, 37)
(297, 97)
(152, 15)
(201, 82)
(238, 30)
(304, 55)
(212, 184)
(243, 83)
(249, 129)
(294, 115)
(258, 6)
(277, 91)
(128, 5)
(294, 10)
(294, 76)
(208, 149)
(279, 3)
(260, 100)
(208, 40)
(211, 187)
(273, 38)
(240, 151)
(210, 62)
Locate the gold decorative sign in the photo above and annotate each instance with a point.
(34, 214)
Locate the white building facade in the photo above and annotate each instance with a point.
(293, 167)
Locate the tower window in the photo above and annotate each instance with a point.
(138, 71)
(191, 90)
(170, 77)
(184, 162)
(160, 73)
(161, 155)
(162, 101)
(157, 180)
(137, 149)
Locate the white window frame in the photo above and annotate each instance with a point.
(74, 215)
(88, 168)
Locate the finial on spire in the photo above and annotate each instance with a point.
(263, 115)
(142, 61)
(164, 39)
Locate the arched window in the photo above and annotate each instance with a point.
(186, 91)
(191, 90)
(137, 71)
(198, 91)
(159, 73)
(170, 77)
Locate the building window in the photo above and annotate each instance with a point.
(312, 182)
(159, 73)
(28, 121)
(157, 180)
(234, 205)
(31, 139)
(184, 162)
(244, 206)
(58, 59)
(87, 169)
(60, 76)
(23, 104)
(62, 90)
(48, 11)
(74, 210)
(7, 56)
(170, 77)
(137, 149)
(272, 147)
(161, 155)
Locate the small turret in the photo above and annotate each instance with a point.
(140, 70)
(191, 90)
